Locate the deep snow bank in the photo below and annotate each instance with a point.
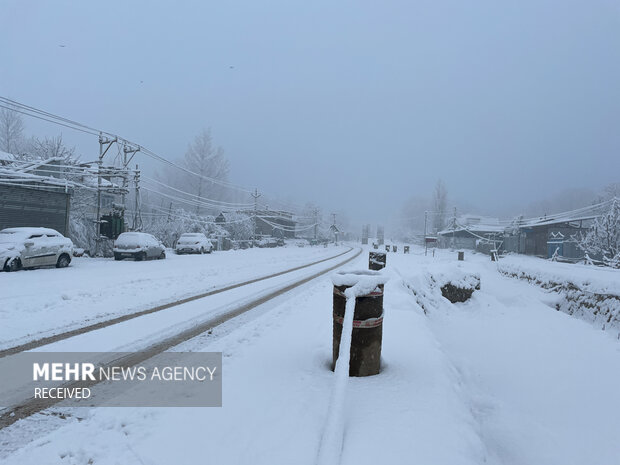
(589, 293)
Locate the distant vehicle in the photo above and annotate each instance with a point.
(193, 243)
(34, 247)
(139, 246)
(266, 243)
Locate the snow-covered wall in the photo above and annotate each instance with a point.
(589, 293)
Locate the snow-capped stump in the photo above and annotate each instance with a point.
(359, 293)
(376, 260)
(456, 285)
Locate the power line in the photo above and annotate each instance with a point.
(241, 205)
(55, 119)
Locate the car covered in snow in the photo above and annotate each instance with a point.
(33, 248)
(139, 246)
(193, 243)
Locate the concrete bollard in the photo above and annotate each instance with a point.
(394, 248)
(387, 248)
(461, 255)
(377, 260)
(367, 334)
(406, 249)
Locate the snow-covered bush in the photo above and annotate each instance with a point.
(602, 241)
(239, 225)
(436, 283)
(168, 229)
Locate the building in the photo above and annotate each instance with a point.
(33, 199)
(44, 193)
(544, 236)
(473, 232)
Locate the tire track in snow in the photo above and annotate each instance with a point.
(32, 406)
(129, 316)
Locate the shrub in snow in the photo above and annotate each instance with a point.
(603, 238)
(169, 229)
(457, 286)
(453, 284)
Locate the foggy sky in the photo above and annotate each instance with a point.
(355, 105)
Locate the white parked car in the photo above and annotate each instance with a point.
(193, 243)
(33, 247)
(139, 246)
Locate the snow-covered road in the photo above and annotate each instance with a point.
(500, 379)
(43, 302)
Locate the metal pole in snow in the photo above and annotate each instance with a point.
(425, 242)
(98, 218)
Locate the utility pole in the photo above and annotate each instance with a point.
(453, 226)
(128, 154)
(103, 141)
(255, 195)
(316, 223)
(334, 228)
(425, 242)
(137, 219)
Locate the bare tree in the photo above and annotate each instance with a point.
(11, 131)
(612, 191)
(49, 147)
(440, 205)
(205, 161)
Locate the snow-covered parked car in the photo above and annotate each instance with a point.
(33, 247)
(193, 243)
(139, 246)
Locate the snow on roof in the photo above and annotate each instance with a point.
(12, 176)
(29, 230)
(39, 163)
(475, 224)
(546, 221)
(4, 156)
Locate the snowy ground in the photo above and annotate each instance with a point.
(501, 379)
(46, 301)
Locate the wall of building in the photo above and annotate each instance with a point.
(24, 206)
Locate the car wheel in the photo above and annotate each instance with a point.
(117, 256)
(14, 264)
(140, 256)
(162, 256)
(63, 261)
(202, 250)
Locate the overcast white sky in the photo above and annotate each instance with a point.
(353, 104)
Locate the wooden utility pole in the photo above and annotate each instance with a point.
(255, 195)
(137, 218)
